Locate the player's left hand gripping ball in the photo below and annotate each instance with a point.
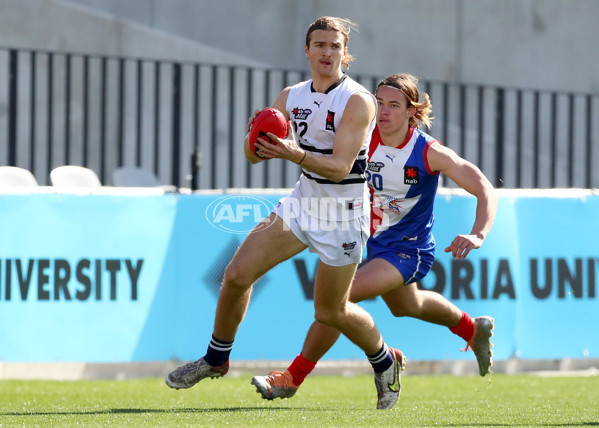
(268, 120)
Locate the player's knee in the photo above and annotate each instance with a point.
(237, 277)
(327, 317)
(400, 311)
(323, 317)
(406, 308)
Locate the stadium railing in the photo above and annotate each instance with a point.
(185, 122)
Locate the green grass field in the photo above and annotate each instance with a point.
(505, 400)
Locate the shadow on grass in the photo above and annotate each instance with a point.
(139, 411)
(240, 409)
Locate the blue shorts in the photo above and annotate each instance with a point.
(413, 264)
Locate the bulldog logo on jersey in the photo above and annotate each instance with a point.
(301, 113)
(330, 126)
(410, 175)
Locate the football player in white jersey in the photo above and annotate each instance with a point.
(326, 213)
(403, 170)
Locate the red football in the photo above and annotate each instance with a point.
(268, 120)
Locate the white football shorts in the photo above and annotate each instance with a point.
(338, 243)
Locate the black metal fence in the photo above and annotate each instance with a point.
(186, 122)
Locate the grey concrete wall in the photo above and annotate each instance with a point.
(542, 44)
(67, 26)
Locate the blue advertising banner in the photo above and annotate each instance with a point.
(122, 278)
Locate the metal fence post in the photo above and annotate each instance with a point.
(12, 107)
(499, 137)
(176, 124)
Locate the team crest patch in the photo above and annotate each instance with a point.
(301, 113)
(330, 126)
(410, 175)
(348, 247)
(375, 166)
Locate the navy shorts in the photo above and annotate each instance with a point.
(413, 264)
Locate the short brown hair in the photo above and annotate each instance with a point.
(332, 23)
(408, 85)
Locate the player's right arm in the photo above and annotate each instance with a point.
(349, 139)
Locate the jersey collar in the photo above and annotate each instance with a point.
(408, 138)
(376, 135)
(333, 86)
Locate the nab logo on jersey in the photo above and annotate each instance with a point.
(410, 175)
(330, 126)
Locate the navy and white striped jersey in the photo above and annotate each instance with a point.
(315, 117)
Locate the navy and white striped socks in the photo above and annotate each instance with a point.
(218, 352)
(382, 360)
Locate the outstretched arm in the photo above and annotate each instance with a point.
(470, 178)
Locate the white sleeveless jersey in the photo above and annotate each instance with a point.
(315, 117)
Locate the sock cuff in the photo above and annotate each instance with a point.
(465, 328)
(220, 345)
(218, 352)
(303, 362)
(380, 355)
(382, 360)
(300, 368)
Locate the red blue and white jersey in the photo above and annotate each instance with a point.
(403, 190)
